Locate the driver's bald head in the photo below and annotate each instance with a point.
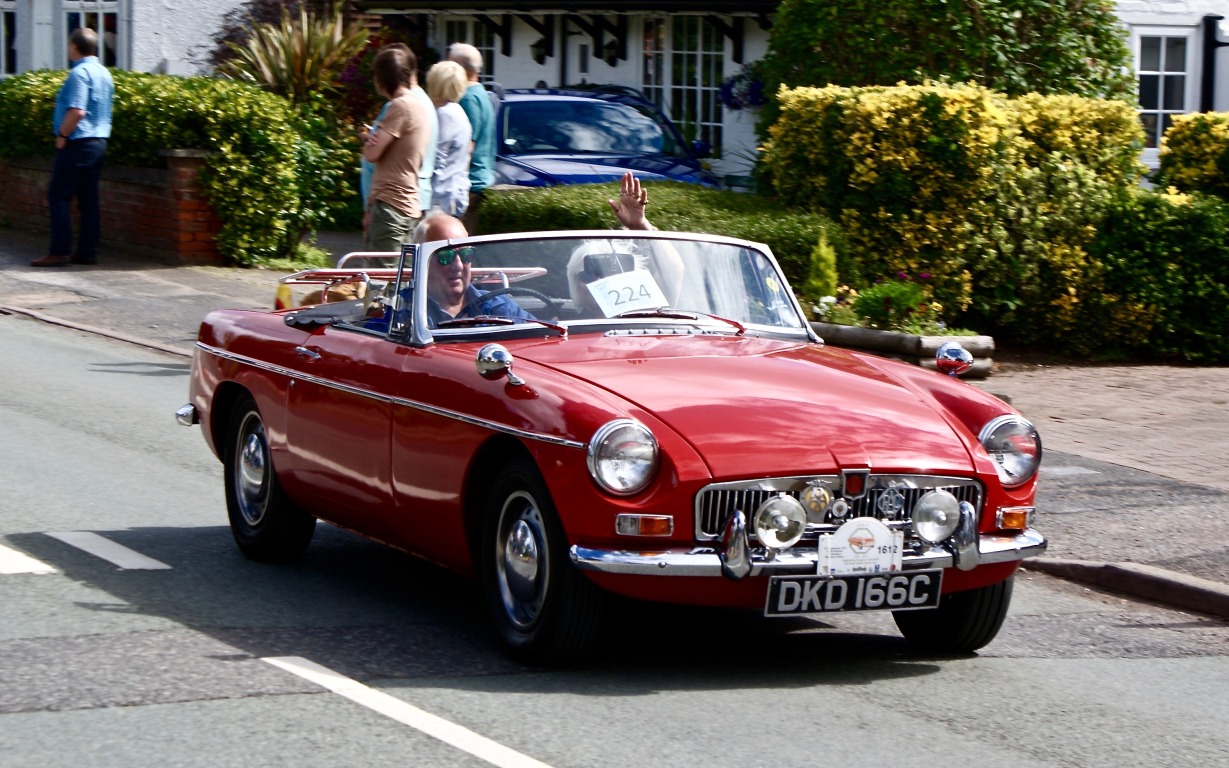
(437, 225)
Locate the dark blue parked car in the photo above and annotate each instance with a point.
(547, 137)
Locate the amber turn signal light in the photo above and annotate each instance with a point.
(644, 525)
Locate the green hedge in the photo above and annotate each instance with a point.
(1160, 280)
(274, 172)
(1195, 154)
(801, 241)
(996, 199)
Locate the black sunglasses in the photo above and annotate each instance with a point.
(446, 255)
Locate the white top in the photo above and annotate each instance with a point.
(450, 183)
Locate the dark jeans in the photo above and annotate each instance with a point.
(75, 173)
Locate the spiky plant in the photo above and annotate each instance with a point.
(297, 58)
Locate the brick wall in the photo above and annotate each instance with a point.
(145, 211)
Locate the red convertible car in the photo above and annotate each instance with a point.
(648, 414)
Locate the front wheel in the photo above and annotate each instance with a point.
(266, 525)
(545, 611)
(963, 622)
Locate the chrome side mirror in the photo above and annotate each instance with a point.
(953, 359)
(495, 362)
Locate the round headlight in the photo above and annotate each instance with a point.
(623, 456)
(1014, 447)
(780, 522)
(935, 516)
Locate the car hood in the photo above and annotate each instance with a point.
(759, 407)
(551, 170)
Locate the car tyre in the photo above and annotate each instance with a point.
(545, 610)
(963, 622)
(267, 526)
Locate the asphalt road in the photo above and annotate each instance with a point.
(176, 651)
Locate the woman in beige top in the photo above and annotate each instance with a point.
(397, 148)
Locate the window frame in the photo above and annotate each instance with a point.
(693, 104)
(477, 35)
(100, 10)
(8, 32)
(1192, 71)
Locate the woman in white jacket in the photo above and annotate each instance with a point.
(446, 83)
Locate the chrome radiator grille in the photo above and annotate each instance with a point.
(889, 498)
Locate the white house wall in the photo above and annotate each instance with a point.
(171, 36)
(175, 37)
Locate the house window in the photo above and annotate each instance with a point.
(682, 69)
(473, 32)
(1165, 65)
(102, 16)
(8, 37)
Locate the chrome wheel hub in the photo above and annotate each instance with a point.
(251, 475)
(521, 560)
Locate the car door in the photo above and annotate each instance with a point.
(339, 422)
(441, 418)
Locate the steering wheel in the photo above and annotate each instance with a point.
(515, 290)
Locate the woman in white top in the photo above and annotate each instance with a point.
(446, 84)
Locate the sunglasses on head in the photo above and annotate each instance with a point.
(446, 255)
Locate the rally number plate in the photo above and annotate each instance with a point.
(797, 595)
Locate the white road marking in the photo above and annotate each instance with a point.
(128, 559)
(1068, 471)
(390, 706)
(12, 561)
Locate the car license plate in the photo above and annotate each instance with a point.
(798, 595)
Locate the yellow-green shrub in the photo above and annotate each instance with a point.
(1068, 157)
(907, 171)
(995, 198)
(1195, 154)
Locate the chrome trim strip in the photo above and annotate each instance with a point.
(397, 401)
(705, 561)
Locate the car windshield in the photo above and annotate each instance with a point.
(602, 281)
(584, 127)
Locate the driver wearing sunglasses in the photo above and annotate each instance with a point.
(449, 292)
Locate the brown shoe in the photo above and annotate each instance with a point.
(50, 261)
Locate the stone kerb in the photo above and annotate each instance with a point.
(919, 350)
(155, 212)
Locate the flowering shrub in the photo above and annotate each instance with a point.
(744, 90)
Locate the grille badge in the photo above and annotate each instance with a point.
(853, 482)
(891, 504)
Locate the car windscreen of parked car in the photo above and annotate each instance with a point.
(585, 127)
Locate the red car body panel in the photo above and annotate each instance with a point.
(391, 459)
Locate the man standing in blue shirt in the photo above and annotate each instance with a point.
(82, 125)
(481, 114)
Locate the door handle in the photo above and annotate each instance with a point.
(307, 354)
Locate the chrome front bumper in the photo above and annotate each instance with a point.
(735, 559)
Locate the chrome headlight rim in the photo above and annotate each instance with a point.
(601, 453)
(992, 429)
